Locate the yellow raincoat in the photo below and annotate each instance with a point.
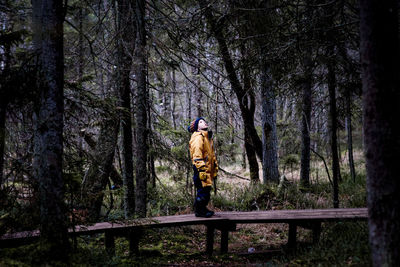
(203, 156)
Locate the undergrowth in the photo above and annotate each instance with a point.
(341, 244)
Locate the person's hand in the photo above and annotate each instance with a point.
(203, 176)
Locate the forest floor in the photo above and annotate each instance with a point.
(341, 244)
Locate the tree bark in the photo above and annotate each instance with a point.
(380, 57)
(198, 94)
(141, 113)
(114, 174)
(306, 106)
(269, 137)
(333, 124)
(252, 158)
(3, 108)
(306, 122)
(96, 178)
(125, 46)
(48, 18)
(350, 134)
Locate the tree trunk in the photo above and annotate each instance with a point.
(3, 108)
(270, 140)
(173, 99)
(247, 111)
(198, 94)
(380, 58)
(306, 85)
(306, 88)
(115, 177)
(349, 134)
(141, 112)
(48, 18)
(347, 96)
(333, 124)
(252, 158)
(125, 46)
(96, 178)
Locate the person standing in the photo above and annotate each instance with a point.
(205, 165)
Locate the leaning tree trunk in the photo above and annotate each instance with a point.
(115, 177)
(48, 18)
(125, 46)
(245, 98)
(333, 124)
(141, 112)
(252, 158)
(247, 111)
(380, 57)
(96, 178)
(269, 137)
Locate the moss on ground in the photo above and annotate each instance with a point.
(341, 244)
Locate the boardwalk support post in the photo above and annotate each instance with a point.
(292, 235)
(316, 232)
(134, 237)
(225, 229)
(210, 239)
(224, 241)
(109, 242)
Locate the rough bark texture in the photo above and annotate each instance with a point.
(252, 158)
(306, 88)
(270, 140)
(96, 178)
(48, 20)
(4, 92)
(125, 46)
(381, 98)
(306, 121)
(2, 136)
(198, 94)
(333, 124)
(141, 113)
(348, 104)
(114, 174)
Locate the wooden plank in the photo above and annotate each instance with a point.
(155, 222)
(271, 216)
(294, 215)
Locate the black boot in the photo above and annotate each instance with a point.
(200, 209)
(209, 212)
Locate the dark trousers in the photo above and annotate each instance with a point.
(203, 193)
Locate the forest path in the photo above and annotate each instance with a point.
(223, 221)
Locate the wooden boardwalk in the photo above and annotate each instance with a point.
(222, 221)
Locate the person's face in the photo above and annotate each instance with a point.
(202, 125)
